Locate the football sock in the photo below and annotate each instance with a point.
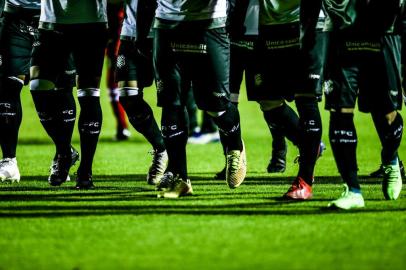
(142, 119)
(343, 140)
(208, 125)
(118, 109)
(191, 108)
(284, 119)
(175, 135)
(278, 140)
(311, 131)
(10, 116)
(229, 124)
(90, 122)
(57, 113)
(390, 137)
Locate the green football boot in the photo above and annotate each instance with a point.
(392, 181)
(348, 200)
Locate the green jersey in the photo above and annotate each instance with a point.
(273, 12)
(73, 11)
(373, 16)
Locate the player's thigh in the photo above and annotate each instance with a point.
(380, 80)
(16, 46)
(49, 55)
(88, 52)
(211, 71)
(167, 70)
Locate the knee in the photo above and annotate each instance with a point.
(267, 105)
(41, 85)
(88, 92)
(12, 87)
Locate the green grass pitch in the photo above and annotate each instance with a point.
(121, 224)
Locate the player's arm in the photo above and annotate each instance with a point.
(309, 15)
(383, 13)
(236, 10)
(1, 7)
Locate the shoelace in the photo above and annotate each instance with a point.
(346, 191)
(389, 170)
(157, 165)
(54, 167)
(4, 162)
(233, 161)
(166, 180)
(295, 185)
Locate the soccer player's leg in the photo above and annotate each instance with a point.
(88, 52)
(10, 121)
(54, 103)
(174, 182)
(217, 103)
(343, 141)
(341, 94)
(58, 121)
(131, 81)
(115, 15)
(306, 98)
(237, 66)
(389, 128)
(386, 100)
(15, 54)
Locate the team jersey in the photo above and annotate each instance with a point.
(1, 7)
(361, 15)
(138, 19)
(251, 19)
(191, 10)
(278, 11)
(32, 4)
(73, 11)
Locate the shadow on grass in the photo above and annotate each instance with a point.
(28, 199)
(253, 209)
(198, 179)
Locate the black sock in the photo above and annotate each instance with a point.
(66, 116)
(191, 108)
(90, 122)
(284, 119)
(57, 113)
(343, 140)
(229, 124)
(208, 124)
(10, 116)
(175, 135)
(389, 135)
(278, 140)
(311, 131)
(142, 119)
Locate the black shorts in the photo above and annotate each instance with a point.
(242, 59)
(20, 36)
(197, 55)
(367, 68)
(134, 62)
(85, 42)
(285, 69)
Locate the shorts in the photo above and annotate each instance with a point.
(285, 69)
(134, 63)
(115, 16)
(192, 54)
(243, 60)
(367, 68)
(20, 36)
(85, 42)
